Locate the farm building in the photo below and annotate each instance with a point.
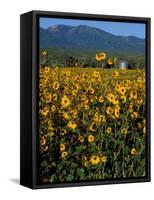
(123, 64)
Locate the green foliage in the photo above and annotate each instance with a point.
(81, 173)
(69, 177)
(71, 58)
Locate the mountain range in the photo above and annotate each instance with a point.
(88, 38)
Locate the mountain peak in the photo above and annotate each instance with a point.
(84, 37)
(58, 27)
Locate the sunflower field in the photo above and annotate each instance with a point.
(92, 124)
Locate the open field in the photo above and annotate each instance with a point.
(92, 124)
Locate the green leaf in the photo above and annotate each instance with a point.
(52, 178)
(74, 165)
(70, 177)
(125, 150)
(44, 163)
(79, 149)
(108, 152)
(80, 172)
(63, 172)
(141, 171)
(138, 142)
(53, 164)
(117, 142)
(59, 168)
(92, 147)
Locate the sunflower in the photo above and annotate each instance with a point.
(93, 80)
(74, 112)
(47, 69)
(139, 79)
(56, 85)
(66, 116)
(96, 117)
(84, 99)
(92, 127)
(134, 115)
(131, 109)
(122, 90)
(110, 61)
(94, 160)
(74, 92)
(103, 55)
(109, 130)
(62, 147)
(104, 159)
(90, 138)
(118, 82)
(86, 107)
(115, 101)
(117, 107)
(84, 158)
(45, 111)
(72, 124)
(110, 97)
(133, 95)
(43, 140)
(54, 97)
(144, 122)
(91, 90)
(117, 113)
(97, 57)
(64, 154)
(53, 108)
(41, 70)
(96, 74)
(101, 99)
(44, 53)
(139, 125)
(144, 130)
(124, 131)
(45, 79)
(100, 56)
(86, 163)
(103, 118)
(50, 128)
(109, 110)
(127, 82)
(45, 148)
(65, 102)
(128, 87)
(139, 101)
(117, 88)
(133, 151)
(80, 138)
(48, 98)
(123, 98)
(63, 132)
(115, 74)
(68, 73)
(51, 133)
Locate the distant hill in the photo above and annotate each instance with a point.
(89, 38)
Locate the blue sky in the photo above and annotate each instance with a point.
(116, 28)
